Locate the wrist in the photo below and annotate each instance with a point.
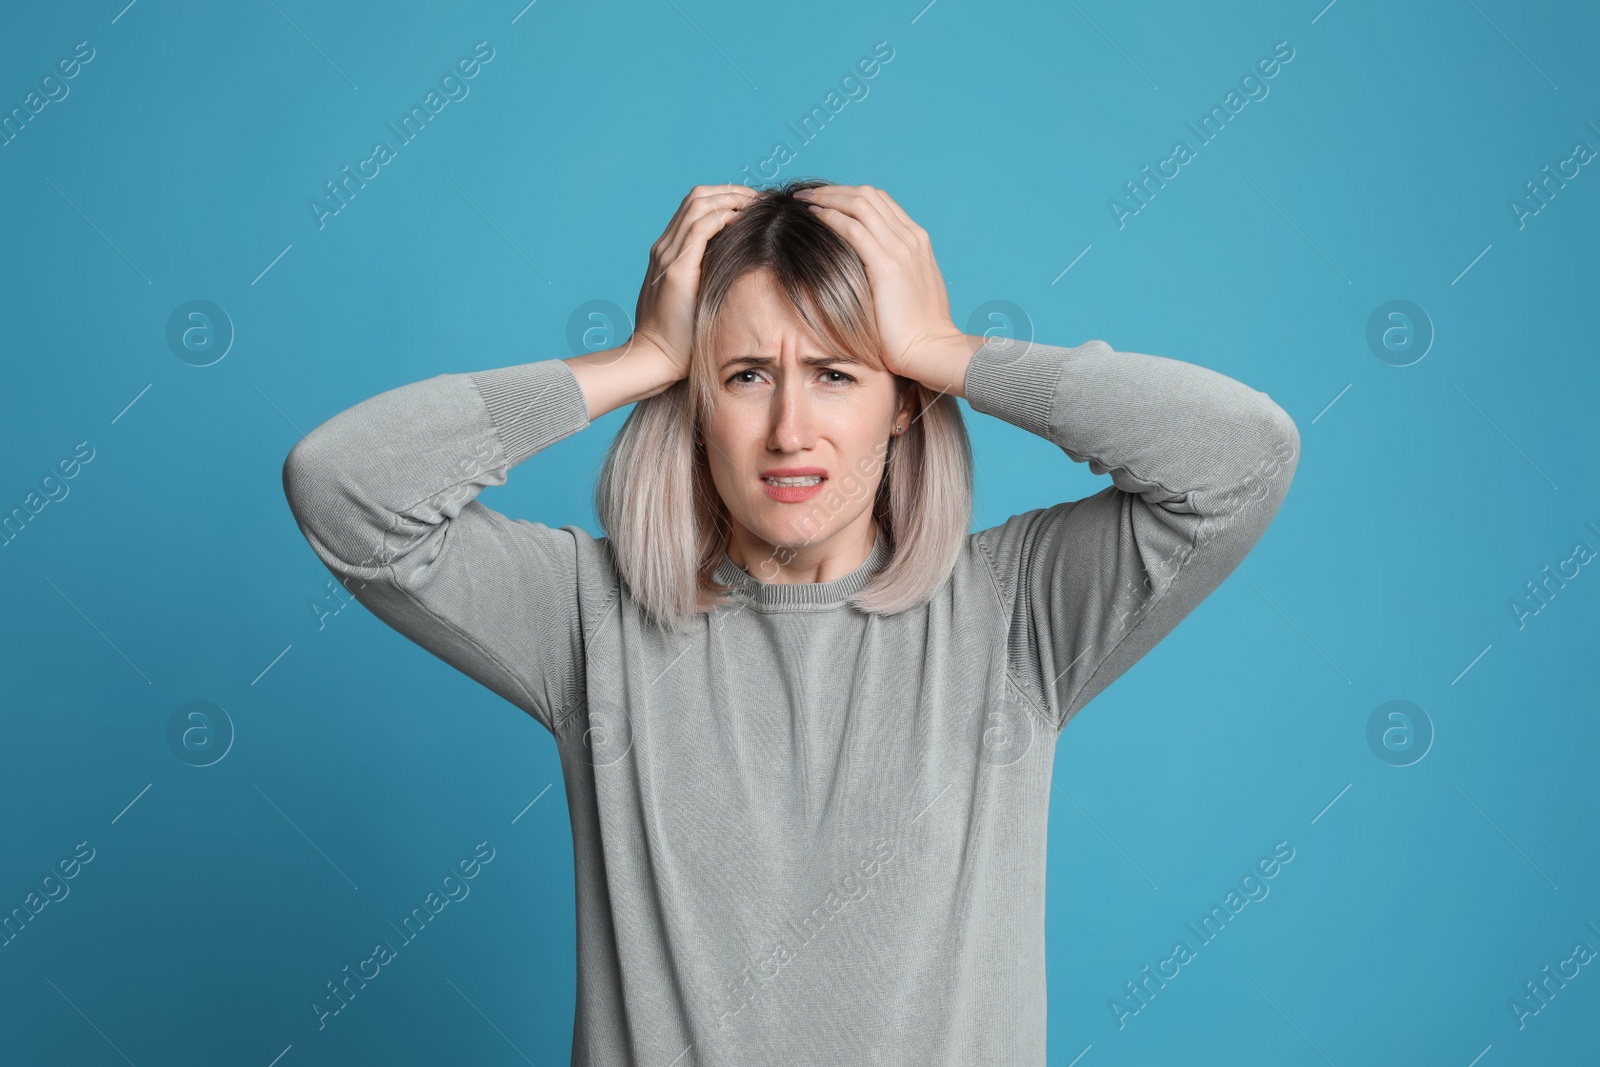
(615, 377)
(941, 363)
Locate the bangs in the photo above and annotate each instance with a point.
(833, 313)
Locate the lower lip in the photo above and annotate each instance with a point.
(792, 494)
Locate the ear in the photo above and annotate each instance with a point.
(905, 396)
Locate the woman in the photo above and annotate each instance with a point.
(805, 718)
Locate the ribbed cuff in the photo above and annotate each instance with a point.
(1016, 381)
(533, 405)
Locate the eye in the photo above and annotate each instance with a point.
(839, 377)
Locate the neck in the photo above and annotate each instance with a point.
(824, 561)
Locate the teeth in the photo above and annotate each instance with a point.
(809, 480)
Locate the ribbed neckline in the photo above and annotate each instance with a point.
(780, 595)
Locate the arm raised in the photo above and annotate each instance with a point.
(1199, 465)
(385, 493)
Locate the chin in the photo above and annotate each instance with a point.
(791, 535)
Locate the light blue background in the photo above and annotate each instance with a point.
(220, 899)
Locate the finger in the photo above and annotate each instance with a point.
(681, 233)
(690, 205)
(906, 231)
(699, 204)
(693, 235)
(863, 240)
(863, 203)
(917, 232)
(672, 223)
(715, 205)
(881, 220)
(913, 236)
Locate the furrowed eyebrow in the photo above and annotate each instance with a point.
(767, 361)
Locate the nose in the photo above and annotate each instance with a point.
(791, 417)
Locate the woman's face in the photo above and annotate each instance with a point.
(787, 403)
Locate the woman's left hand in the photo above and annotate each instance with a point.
(912, 307)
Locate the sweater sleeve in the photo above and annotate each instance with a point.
(385, 493)
(1199, 465)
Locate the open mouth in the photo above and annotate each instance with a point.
(793, 485)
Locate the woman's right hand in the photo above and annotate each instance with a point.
(664, 317)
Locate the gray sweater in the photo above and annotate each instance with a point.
(803, 834)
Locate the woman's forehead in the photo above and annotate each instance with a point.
(758, 319)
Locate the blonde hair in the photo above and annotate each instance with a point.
(655, 498)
